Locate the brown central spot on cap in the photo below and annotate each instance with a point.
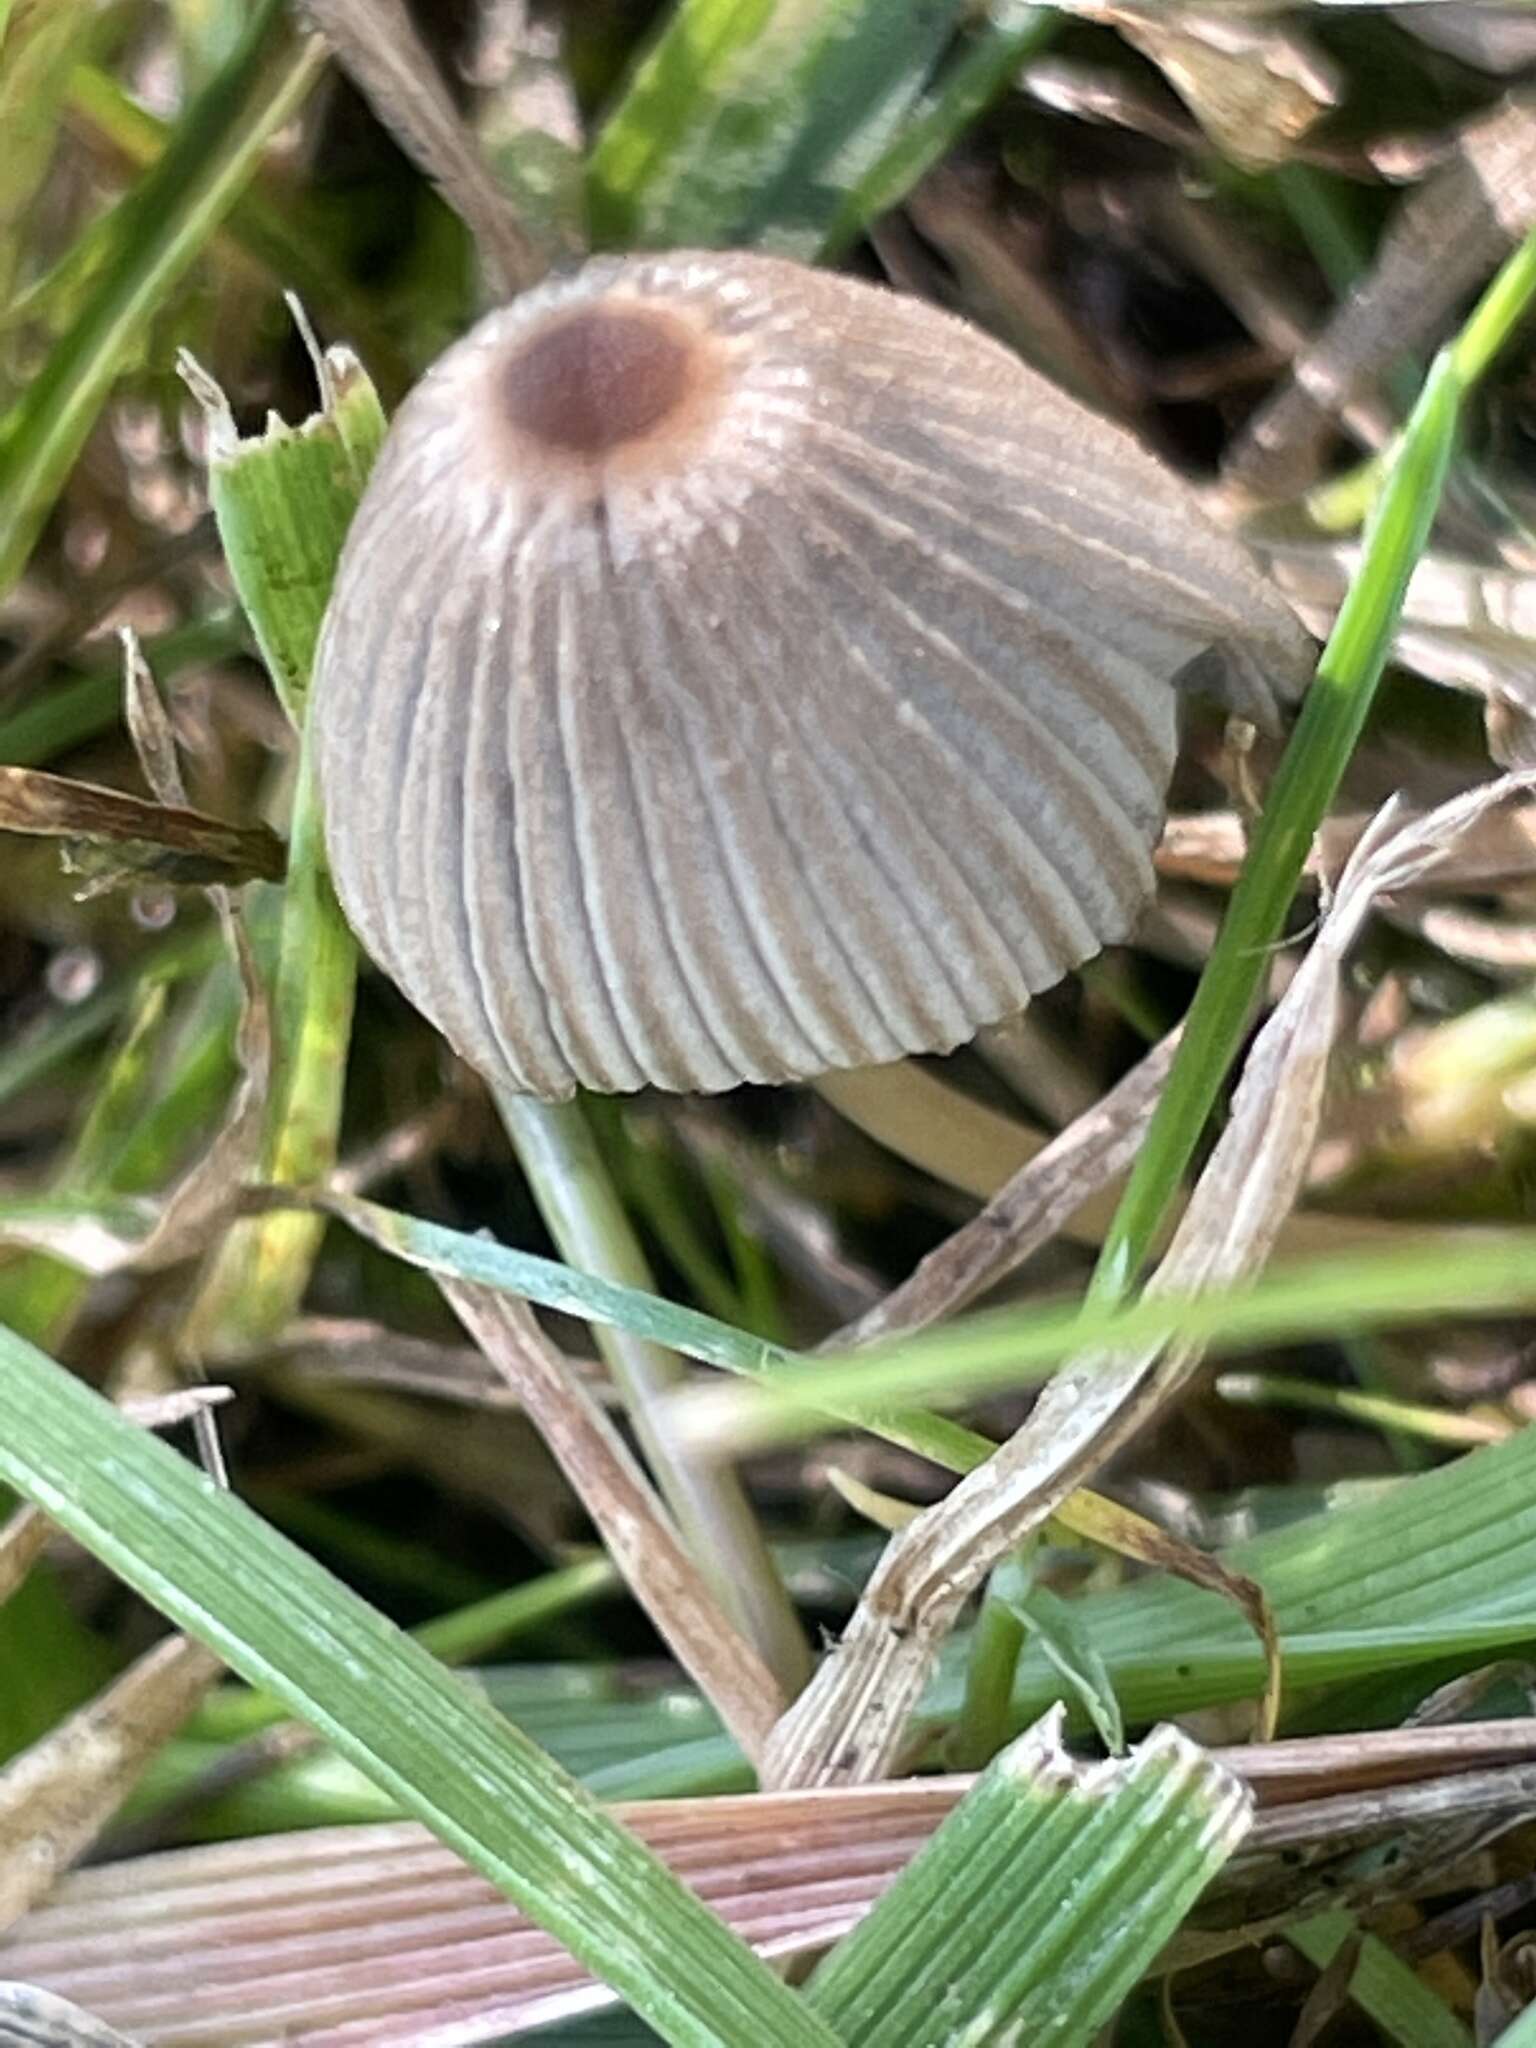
(598, 378)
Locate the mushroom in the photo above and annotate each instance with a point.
(737, 672)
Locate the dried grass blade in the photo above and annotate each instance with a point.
(57, 1796)
(366, 1927)
(847, 1726)
(378, 45)
(1257, 87)
(1077, 1167)
(152, 840)
(1445, 238)
(22, 1540)
(635, 1528)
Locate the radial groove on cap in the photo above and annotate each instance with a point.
(1000, 836)
(493, 824)
(736, 672)
(955, 690)
(916, 989)
(645, 873)
(807, 836)
(777, 1018)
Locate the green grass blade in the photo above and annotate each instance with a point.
(1331, 721)
(388, 1707)
(159, 229)
(1522, 2034)
(284, 502)
(81, 703)
(37, 52)
(1008, 32)
(1405, 2010)
(566, 1171)
(1043, 1897)
(755, 120)
(437, 1249)
(1489, 1273)
(285, 235)
(1439, 1565)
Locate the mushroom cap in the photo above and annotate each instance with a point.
(736, 672)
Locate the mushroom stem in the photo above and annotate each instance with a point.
(578, 1202)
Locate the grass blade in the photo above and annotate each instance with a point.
(1040, 1901)
(159, 229)
(1488, 1273)
(1383, 1986)
(1441, 1565)
(756, 120)
(567, 1173)
(285, 1625)
(283, 502)
(1331, 721)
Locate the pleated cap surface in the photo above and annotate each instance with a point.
(736, 672)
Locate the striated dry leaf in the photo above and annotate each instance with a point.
(111, 836)
(635, 1528)
(847, 1725)
(346, 1937)
(56, 1797)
